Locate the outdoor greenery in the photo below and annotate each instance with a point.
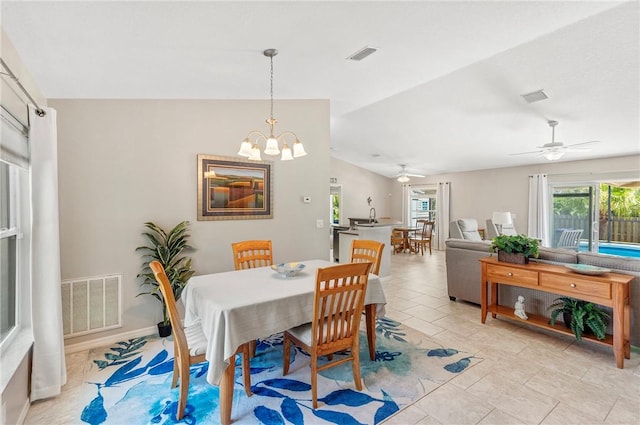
(167, 248)
(625, 202)
(335, 209)
(516, 244)
(583, 315)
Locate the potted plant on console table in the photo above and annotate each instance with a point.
(165, 247)
(515, 249)
(580, 316)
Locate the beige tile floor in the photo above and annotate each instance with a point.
(528, 376)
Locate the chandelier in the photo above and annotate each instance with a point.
(249, 147)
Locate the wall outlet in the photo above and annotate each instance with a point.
(319, 223)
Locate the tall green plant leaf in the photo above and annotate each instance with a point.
(166, 248)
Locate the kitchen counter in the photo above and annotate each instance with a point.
(380, 232)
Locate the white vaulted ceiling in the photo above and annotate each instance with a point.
(441, 94)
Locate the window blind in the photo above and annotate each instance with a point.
(14, 142)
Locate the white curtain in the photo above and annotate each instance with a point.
(442, 214)
(538, 226)
(48, 366)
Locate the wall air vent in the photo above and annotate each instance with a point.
(535, 96)
(362, 53)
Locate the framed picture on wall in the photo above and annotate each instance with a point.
(233, 189)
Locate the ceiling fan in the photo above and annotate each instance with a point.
(554, 150)
(403, 177)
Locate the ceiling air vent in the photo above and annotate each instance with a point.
(362, 53)
(535, 96)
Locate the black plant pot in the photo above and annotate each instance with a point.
(164, 330)
(512, 257)
(566, 317)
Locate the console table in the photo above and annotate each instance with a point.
(608, 289)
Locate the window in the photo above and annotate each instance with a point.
(607, 213)
(14, 238)
(8, 250)
(422, 204)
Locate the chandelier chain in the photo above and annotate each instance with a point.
(271, 92)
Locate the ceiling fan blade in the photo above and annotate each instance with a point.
(414, 175)
(577, 149)
(525, 153)
(584, 143)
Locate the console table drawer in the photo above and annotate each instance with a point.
(506, 274)
(575, 286)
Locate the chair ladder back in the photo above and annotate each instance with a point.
(339, 301)
(252, 254)
(181, 347)
(363, 250)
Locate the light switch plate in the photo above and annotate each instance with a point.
(319, 223)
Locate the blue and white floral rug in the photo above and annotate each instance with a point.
(130, 383)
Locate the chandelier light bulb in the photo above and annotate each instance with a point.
(298, 149)
(255, 153)
(272, 146)
(286, 153)
(245, 149)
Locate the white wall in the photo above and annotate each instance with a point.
(357, 185)
(125, 162)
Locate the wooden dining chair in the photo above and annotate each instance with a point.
(423, 237)
(252, 254)
(189, 344)
(363, 250)
(397, 241)
(337, 307)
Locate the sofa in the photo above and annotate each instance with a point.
(464, 275)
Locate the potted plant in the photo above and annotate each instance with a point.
(167, 248)
(515, 248)
(580, 316)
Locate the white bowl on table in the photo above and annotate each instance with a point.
(288, 269)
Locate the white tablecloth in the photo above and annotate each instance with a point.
(239, 306)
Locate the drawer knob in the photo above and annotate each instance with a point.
(509, 274)
(573, 285)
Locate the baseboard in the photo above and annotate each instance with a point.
(24, 411)
(99, 342)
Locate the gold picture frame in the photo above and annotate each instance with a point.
(233, 189)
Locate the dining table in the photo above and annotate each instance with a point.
(406, 244)
(240, 306)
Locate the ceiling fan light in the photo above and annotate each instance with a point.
(403, 179)
(553, 155)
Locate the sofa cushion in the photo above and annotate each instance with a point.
(469, 228)
(484, 246)
(556, 256)
(613, 262)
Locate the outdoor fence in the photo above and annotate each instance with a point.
(619, 229)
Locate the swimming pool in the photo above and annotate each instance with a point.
(616, 248)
